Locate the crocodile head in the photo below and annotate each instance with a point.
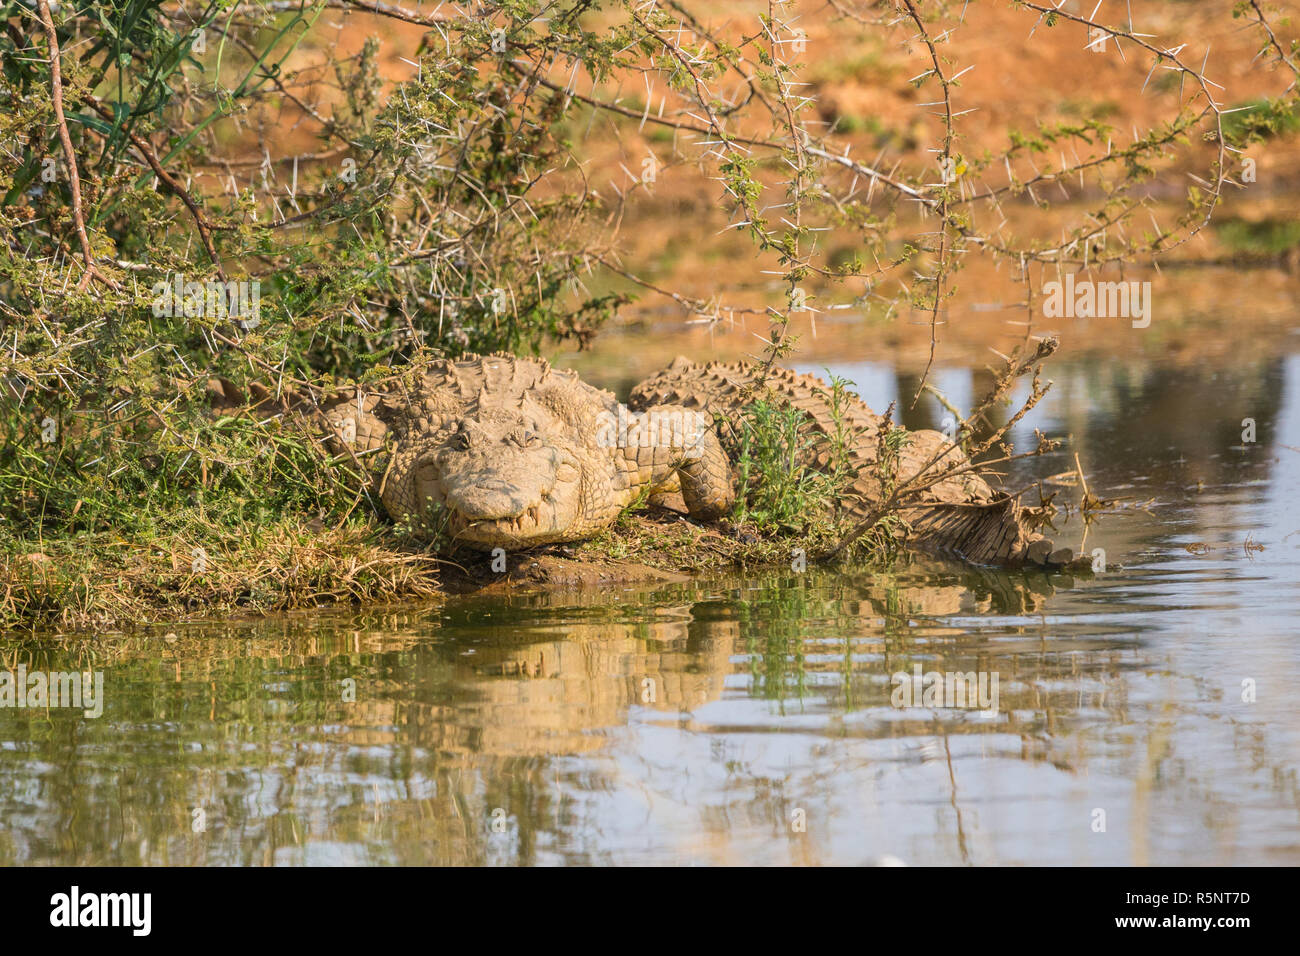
(500, 480)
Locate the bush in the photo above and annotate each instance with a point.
(417, 231)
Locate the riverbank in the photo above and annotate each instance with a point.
(212, 560)
(106, 581)
(102, 582)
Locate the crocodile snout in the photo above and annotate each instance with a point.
(478, 498)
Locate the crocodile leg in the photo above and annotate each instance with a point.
(669, 445)
(705, 479)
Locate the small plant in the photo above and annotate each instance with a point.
(840, 464)
(780, 482)
(775, 488)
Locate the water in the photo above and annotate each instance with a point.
(748, 719)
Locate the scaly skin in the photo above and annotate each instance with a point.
(507, 452)
(961, 516)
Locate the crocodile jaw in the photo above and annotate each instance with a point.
(536, 525)
(541, 505)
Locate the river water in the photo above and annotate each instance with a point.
(1146, 714)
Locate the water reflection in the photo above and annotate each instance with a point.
(695, 723)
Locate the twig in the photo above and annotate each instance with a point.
(69, 155)
(141, 144)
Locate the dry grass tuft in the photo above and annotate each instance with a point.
(77, 584)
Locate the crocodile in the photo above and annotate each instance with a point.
(960, 516)
(501, 451)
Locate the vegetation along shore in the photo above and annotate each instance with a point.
(265, 267)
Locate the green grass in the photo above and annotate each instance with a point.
(205, 570)
(1263, 120)
(785, 495)
(1263, 238)
(774, 490)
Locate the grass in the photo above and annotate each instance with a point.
(662, 540)
(104, 580)
(1266, 238)
(125, 517)
(774, 490)
(782, 489)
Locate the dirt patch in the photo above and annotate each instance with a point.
(656, 546)
(546, 572)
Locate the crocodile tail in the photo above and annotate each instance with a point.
(995, 532)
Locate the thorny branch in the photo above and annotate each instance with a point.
(69, 154)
